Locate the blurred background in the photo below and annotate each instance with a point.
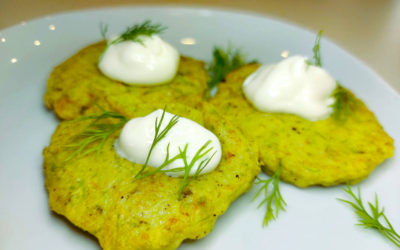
(368, 29)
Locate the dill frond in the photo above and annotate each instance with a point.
(316, 51)
(344, 103)
(96, 133)
(103, 30)
(224, 61)
(186, 180)
(160, 169)
(273, 199)
(134, 32)
(182, 155)
(373, 218)
(158, 136)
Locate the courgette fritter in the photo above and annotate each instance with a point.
(326, 152)
(98, 192)
(77, 84)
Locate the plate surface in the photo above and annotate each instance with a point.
(314, 218)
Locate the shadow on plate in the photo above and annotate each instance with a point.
(76, 229)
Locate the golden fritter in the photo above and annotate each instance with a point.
(77, 84)
(98, 192)
(325, 152)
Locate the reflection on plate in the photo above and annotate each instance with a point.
(314, 218)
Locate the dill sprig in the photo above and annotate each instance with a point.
(186, 180)
(134, 32)
(96, 133)
(160, 169)
(188, 166)
(158, 136)
(316, 51)
(224, 61)
(372, 219)
(343, 104)
(273, 198)
(103, 30)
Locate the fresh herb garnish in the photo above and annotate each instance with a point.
(188, 166)
(160, 169)
(103, 30)
(186, 180)
(343, 104)
(316, 51)
(224, 61)
(182, 155)
(96, 133)
(135, 32)
(273, 198)
(158, 136)
(372, 219)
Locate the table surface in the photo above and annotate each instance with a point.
(368, 29)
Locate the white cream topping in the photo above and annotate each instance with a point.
(137, 136)
(152, 62)
(292, 86)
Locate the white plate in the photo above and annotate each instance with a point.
(314, 218)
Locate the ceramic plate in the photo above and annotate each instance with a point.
(314, 219)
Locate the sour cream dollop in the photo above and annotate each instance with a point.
(152, 62)
(292, 86)
(137, 136)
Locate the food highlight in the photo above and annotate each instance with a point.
(139, 56)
